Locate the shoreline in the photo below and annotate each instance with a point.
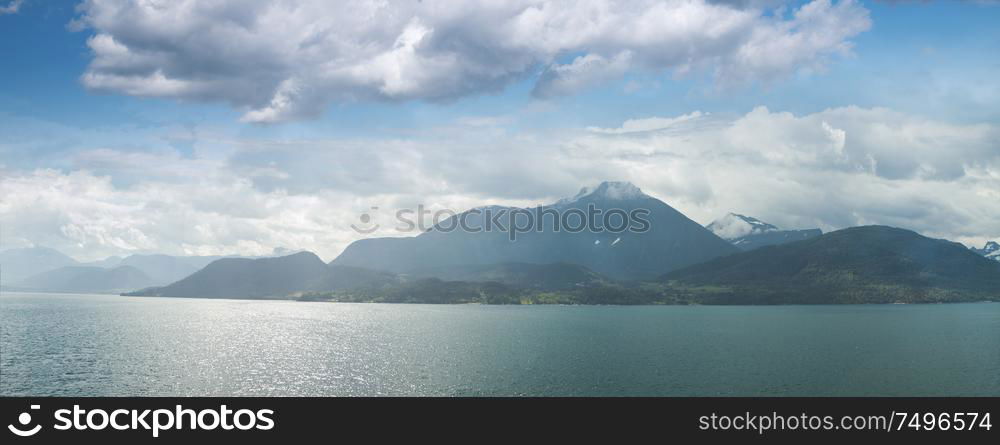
(298, 300)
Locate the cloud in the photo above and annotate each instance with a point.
(290, 60)
(12, 7)
(650, 124)
(818, 28)
(86, 215)
(585, 71)
(831, 169)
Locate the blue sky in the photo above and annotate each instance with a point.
(926, 70)
(912, 53)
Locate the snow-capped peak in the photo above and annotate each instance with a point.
(733, 226)
(614, 190)
(991, 250)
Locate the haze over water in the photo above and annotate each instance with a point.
(62, 345)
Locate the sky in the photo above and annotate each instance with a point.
(241, 126)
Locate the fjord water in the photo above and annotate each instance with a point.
(95, 345)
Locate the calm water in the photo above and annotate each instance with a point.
(118, 346)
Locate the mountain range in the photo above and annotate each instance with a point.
(672, 260)
(47, 270)
(88, 279)
(749, 233)
(871, 264)
(860, 265)
(268, 277)
(672, 241)
(991, 250)
(305, 275)
(19, 264)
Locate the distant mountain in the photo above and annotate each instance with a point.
(19, 264)
(305, 275)
(245, 278)
(83, 279)
(672, 240)
(779, 237)
(523, 275)
(107, 263)
(268, 278)
(991, 250)
(165, 269)
(859, 265)
(748, 233)
(734, 226)
(873, 264)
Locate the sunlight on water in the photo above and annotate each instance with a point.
(118, 346)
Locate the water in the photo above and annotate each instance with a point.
(61, 345)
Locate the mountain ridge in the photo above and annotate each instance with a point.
(749, 233)
(86, 279)
(868, 264)
(991, 250)
(19, 264)
(670, 241)
(266, 278)
(26, 268)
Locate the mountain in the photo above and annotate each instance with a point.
(84, 279)
(268, 278)
(619, 250)
(734, 226)
(350, 278)
(19, 264)
(872, 264)
(162, 269)
(107, 263)
(748, 233)
(305, 275)
(991, 250)
(246, 278)
(554, 276)
(165, 269)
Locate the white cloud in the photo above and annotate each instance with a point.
(819, 28)
(85, 215)
(832, 169)
(286, 60)
(12, 7)
(585, 71)
(649, 124)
